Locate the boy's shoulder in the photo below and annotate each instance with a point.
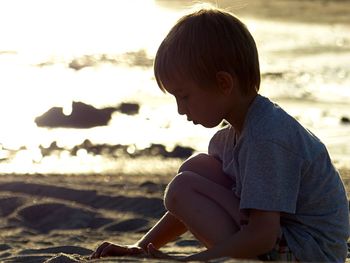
(266, 119)
(268, 122)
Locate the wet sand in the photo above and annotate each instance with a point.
(62, 218)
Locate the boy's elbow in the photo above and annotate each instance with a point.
(266, 228)
(269, 242)
(266, 240)
(262, 242)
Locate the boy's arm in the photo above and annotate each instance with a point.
(167, 229)
(257, 237)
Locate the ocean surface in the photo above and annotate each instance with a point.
(101, 52)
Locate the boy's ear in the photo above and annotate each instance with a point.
(225, 82)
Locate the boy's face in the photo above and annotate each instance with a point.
(203, 106)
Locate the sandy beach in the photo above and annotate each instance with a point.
(62, 218)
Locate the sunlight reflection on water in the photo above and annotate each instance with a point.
(305, 68)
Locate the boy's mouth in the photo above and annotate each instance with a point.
(194, 122)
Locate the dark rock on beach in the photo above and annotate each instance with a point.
(82, 116)
(46, 151)
(181, 152)
(122, 150)
(345, 120)
(160, 150)
(129, 108)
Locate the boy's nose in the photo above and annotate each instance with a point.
(181, 111)
(180, 108)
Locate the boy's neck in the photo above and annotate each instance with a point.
(239, 111)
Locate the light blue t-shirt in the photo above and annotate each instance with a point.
(278, 165)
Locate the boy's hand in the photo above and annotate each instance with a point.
(107, 249)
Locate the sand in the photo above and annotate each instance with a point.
(62, 218)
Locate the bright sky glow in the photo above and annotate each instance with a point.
(38, 31)
(64, 27)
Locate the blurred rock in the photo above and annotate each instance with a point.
(120, 150)
(138, 58)
(273, 75)
(181, 152)
(82, 62)
(129, 108)
(82, 116)
(46, 151)
(135, 58)
(160, 150)
(345, 120)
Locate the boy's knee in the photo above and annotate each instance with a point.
(175, 191)
(195, 162)
(208, 167)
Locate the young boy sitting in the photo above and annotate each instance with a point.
(267, 188)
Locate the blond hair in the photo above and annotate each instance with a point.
(203, 43)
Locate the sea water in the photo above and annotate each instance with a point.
(305, 68)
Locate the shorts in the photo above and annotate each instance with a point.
(281, 252)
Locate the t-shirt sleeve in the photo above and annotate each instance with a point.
(217, 143)
(271, 178)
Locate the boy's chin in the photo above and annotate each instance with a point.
(208, 125)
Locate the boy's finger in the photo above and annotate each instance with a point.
(113, 250)
(97, 253)
(105, 251)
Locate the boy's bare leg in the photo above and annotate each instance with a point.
(210, 210)
(171, 226)
(205, 166)
(209, 167)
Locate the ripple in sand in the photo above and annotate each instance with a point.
(190, 243)
(4, 247)
(50, 216)
(150, 207)
(63, 258)
(9, 204)
(129, 225)
(59, 249)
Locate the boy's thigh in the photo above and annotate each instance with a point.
(208, 167)
(188, 183)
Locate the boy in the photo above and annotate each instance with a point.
(267, 188)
